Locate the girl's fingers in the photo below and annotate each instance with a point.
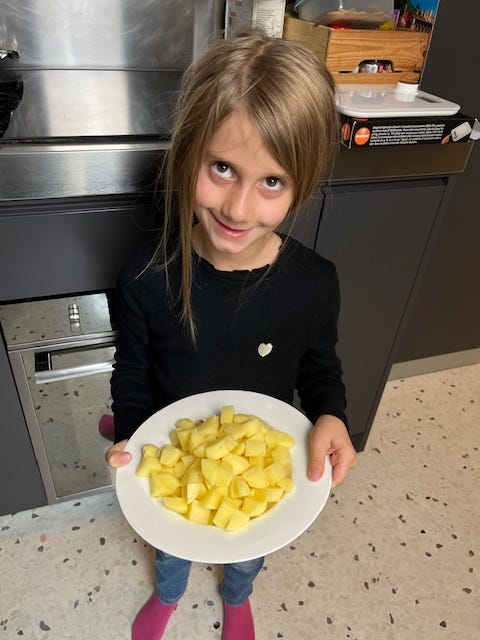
(116, 456)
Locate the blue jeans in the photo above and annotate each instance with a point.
(171, 577)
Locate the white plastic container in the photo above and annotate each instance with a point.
(352, 14)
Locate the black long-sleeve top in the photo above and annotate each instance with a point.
(292, 306)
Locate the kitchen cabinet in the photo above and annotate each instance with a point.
(377, 235)
(446, 316)
(50, 248)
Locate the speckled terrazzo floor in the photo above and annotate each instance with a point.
(394, 555)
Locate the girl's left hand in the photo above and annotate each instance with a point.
(329, 436)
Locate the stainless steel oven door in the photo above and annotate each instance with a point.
(64, 389)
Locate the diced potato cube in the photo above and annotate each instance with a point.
(283, 455)
(275, 438)
(255, 476)
(274, 472)
(184, 423)
(239, 488)
(162, 484)
(150, 450)
(183, 436)
(209, 426)
(209, 470)
(220, 448)
(193, 491)
(255, 447)
(214, 496)
(170, 455)
(240, 417)
(251, 426)
(237, 431)
(187, 459)
(179, 505)
(239, 450)
(270, 494)
(263, 425)
(199, 452)
(148, 465)
(254, 507)
(196, 439)
(179, 469)
(224, 474)
(193, 473)
(226, 414)
(239, 463)
(237, 520)
(267, 459)
(174, 438)
(224, 511)
(287, 484)
(197, 512)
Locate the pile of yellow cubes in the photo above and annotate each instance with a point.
(222, 471)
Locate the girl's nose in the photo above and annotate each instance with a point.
(238, 205)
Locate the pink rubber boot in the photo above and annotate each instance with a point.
(238, 622)
(152, 619)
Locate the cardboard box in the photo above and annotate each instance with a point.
(243, 15)
(382, 132)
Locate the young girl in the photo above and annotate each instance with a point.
(225, 301)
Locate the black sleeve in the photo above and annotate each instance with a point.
(132, 394)
(319, 382)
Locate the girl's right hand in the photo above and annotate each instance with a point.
(116, 456)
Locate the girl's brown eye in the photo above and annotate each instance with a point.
(222, 170)
(271, 181)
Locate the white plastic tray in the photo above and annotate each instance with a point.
(385, 101)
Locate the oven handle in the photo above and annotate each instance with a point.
(55, 375)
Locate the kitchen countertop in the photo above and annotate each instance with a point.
(33, 171)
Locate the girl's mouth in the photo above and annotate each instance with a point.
(229, 231)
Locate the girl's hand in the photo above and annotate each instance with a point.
(330, 436)
(116, 456)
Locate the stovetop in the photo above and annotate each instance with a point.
(55, 106)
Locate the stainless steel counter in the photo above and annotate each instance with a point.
(71, 133)
(72, 170)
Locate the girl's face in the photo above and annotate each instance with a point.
(242, 196)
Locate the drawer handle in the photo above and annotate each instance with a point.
(55, 375)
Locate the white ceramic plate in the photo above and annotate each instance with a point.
(174, 534)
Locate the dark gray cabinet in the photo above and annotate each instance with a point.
(446, 316)
(377, 235)
(50, 248)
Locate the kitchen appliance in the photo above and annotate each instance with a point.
(61, 353)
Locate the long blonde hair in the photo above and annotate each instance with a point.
(286, 91)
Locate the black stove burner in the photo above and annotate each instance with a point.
(11, 94)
